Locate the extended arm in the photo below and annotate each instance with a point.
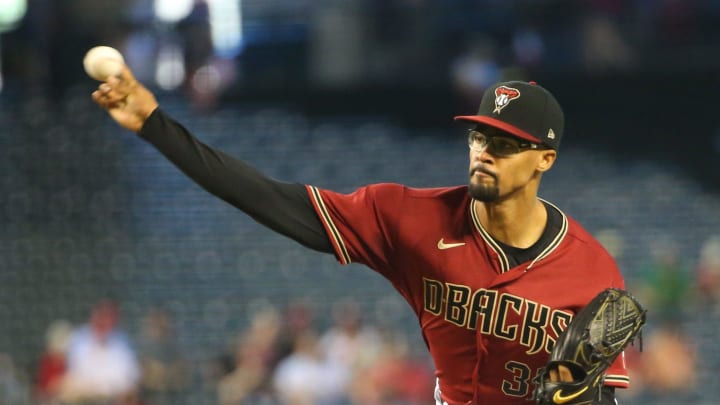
(283, 207)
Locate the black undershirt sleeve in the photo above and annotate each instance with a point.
(608, 396)
(283, 207)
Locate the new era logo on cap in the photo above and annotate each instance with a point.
(522, 109)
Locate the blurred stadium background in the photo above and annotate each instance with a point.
(338, 93)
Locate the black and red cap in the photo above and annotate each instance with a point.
(522, 109)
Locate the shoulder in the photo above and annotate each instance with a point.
(419, 202)
(597, 257)
(582, 235)
(403, 191)
(400, 190)
(575, 231)
(585, 246)
(394, 199)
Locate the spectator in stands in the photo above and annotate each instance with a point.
(348, 346)
(665, 284)
(254, 358)
(393, 377)
(101, 364)
(708, 272)
(668, 363)
(165, 373)
(14, 387)
(303, 377)
(51, 367)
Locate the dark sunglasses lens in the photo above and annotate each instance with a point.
(503, 146)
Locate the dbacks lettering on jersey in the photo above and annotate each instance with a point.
(495, 313)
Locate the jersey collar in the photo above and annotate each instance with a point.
(552, 240)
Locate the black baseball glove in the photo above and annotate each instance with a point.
(589, 345)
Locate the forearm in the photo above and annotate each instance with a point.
(283, 207)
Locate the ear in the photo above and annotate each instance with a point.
(546, 160)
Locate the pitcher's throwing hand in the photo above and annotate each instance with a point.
(126, 100)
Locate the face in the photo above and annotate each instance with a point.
(501, 164)
(104, 318)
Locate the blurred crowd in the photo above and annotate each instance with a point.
(682, 297)
(283, 356)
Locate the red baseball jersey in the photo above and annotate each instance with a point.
(489, 327)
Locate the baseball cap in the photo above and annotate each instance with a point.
(523, 109)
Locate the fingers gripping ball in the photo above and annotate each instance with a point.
(588, 346)
(102, 62)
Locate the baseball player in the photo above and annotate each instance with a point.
(493, 273)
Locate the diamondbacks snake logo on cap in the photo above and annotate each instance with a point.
(503, 96)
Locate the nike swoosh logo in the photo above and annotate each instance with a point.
(559, 398)
(442, 245)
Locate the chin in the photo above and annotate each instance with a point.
(483, 192)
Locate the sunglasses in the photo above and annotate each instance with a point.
(498, 145)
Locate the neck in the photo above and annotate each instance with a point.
(514, 222)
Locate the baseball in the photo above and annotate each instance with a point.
(102, 62)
